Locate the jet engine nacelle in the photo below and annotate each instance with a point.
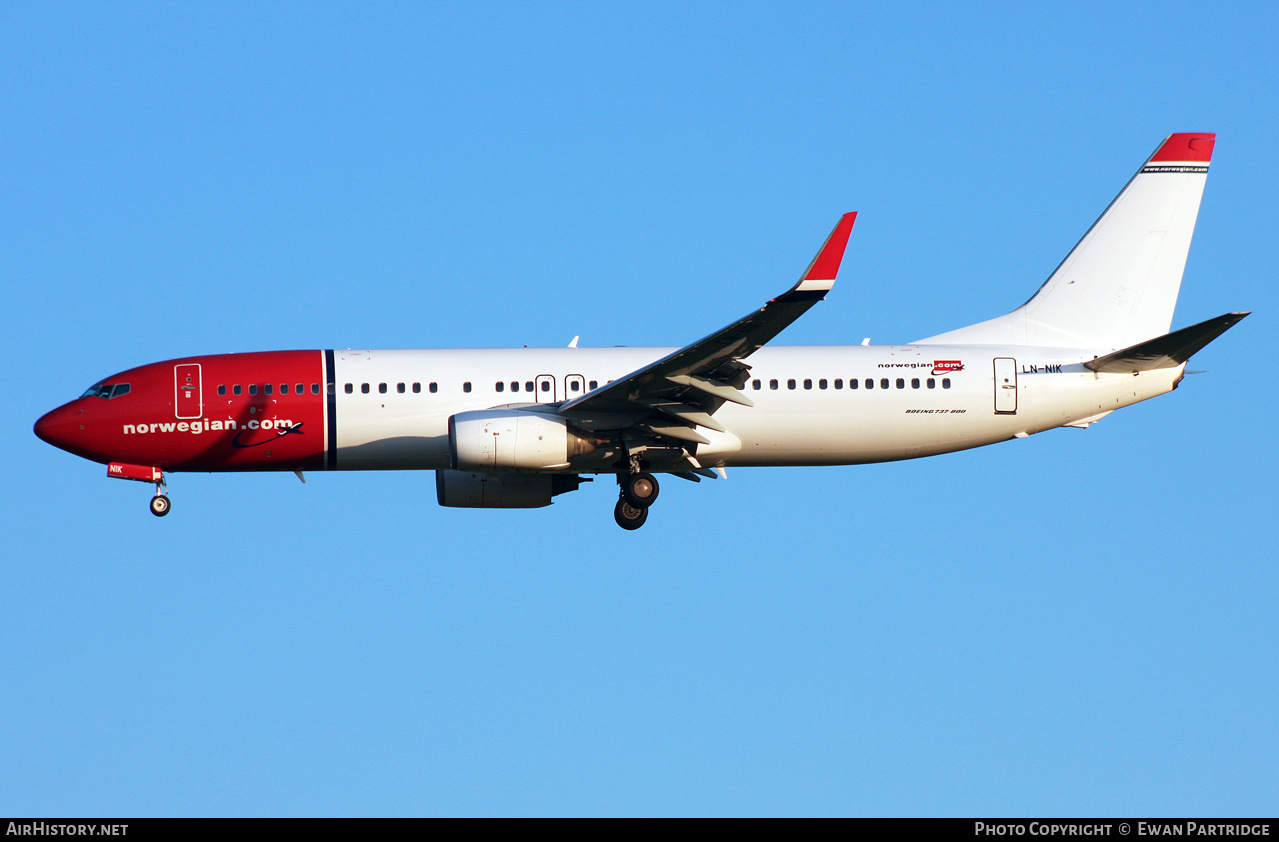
(467, 490)
(495, 440)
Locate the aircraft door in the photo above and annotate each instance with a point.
(188, 397)
(574, 386)
(1005, 386)
(545, 388)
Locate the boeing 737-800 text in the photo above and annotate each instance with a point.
(514, 428)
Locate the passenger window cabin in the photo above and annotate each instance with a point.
(571, 385)
(269, 388)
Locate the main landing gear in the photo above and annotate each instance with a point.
(638, 491)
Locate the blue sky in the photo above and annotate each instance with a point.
(1082, 622)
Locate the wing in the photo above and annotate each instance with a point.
(668, 398)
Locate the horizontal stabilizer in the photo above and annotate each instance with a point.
(1165, 351)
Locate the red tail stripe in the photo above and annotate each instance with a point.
(1187, 146)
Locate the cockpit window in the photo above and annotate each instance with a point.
(106, 390)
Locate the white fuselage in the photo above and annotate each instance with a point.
(938, 399)
(515, 428)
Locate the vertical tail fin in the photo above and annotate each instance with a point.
(1119, 284)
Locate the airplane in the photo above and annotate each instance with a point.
(514, 428)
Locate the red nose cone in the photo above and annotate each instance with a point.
(62, 427)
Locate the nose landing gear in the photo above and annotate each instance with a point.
(160, 504)
(638, 491)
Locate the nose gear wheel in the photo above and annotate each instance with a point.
(160, 505)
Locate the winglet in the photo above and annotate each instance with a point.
(820, 275)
